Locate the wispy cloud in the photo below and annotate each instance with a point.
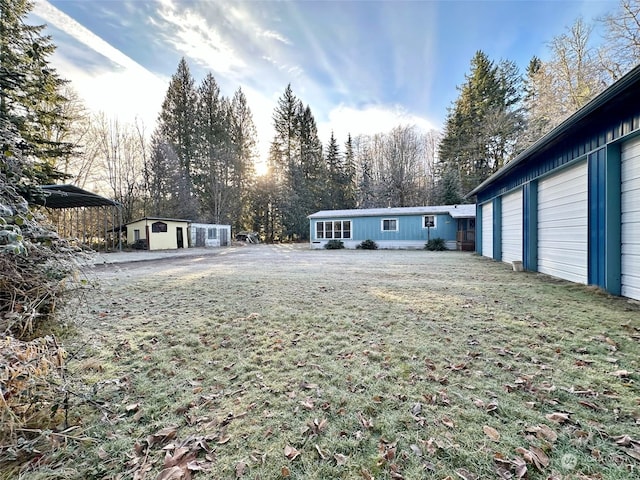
(276, 36)
(190, 33)
(117, 85)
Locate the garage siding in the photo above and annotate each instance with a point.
(487, 230)
(512, 227)
(563, 224)
(630, 208)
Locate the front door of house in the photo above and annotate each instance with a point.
(179, 237)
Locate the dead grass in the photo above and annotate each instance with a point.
(280, 362)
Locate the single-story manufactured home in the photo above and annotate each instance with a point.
(400, 227)
(569, 205)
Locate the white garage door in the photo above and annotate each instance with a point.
(563, 224)
(487, 230)
(631, 219)
(512, 227)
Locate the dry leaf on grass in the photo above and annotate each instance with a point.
(557, 417)
(240, 468)
(491, 432)
(340, 459)
(174, 473)
(535, 456)
(163, 435)
(291, 453)
(446, 421)
(621, 373)
(544, 432)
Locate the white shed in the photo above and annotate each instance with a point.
(209, 235)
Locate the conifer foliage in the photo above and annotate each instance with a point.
(202, 153)
(482, 127)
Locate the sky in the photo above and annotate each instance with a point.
(363, 67)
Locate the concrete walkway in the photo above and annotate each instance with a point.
(100, 258)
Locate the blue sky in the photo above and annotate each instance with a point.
(362, 66)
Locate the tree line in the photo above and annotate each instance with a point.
(199, 160)
(499, 111)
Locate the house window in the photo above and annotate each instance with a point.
(158, 227)
(390, 225)
(335, 229)
(136, 235)
(429, 221)
(212, 233)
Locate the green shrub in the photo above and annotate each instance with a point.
(368, 245)
(436, 245)
(334, 245)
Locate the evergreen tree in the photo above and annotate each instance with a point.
(31, 91)
(349, 176)
(177, 126)
(243, 136)
(334, 182)
(482, 128)
(213, 156)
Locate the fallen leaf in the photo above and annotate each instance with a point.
(340, 459)
(308, 404)
(540, 459)
(632, 453)
(520, 467)
(240, 468)
(621, 373)
(291, 453)
(448, 422)
(544, 432)
(416, 450)
(590, 405)
(285, 472)
(163, 435)
(173, 473)
(365, 474)
(491, 432)
(557, 417)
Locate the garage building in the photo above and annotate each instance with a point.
(569, 205)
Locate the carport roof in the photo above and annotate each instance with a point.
(70, 196)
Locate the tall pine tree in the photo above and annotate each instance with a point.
(243, 137)
(482, 128)
(177, 128)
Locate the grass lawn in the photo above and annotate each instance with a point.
(270, 362)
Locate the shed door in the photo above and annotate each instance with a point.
(630, 208)
(512, 227)
(563, 224)
(487, 230)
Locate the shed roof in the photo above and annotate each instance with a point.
(456, 211)
(159, 219)
(617, 96)
(70, 196)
